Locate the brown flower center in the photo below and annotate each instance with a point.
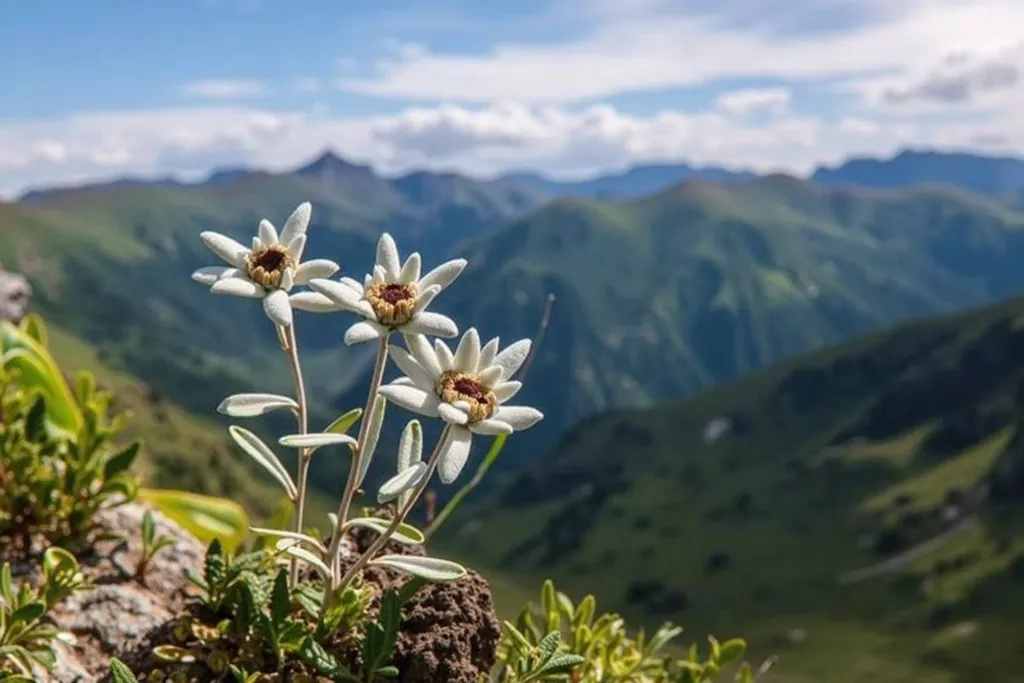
(267, 264)
(393, 303)
(455, 386)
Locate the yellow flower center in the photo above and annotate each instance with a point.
(455, 386)
(393, 303)
(267, 264)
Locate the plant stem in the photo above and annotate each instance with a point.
(401, 514)
(291, 349)
(364, 422)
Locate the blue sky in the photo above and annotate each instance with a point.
(572, 87)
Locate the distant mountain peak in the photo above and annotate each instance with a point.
(330, 163)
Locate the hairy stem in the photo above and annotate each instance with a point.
(364, 422)
(291, 349)
(400, 514)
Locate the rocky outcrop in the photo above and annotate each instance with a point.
(15, 292)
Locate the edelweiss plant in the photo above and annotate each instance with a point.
(467, 389)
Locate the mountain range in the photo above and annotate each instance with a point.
(655, 297)
(856, 512)
(988, 175)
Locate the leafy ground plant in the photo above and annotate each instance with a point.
(303, 606)
(55, 481)
(25, 638)
(599, 650)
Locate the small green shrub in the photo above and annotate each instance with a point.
(54, 482)
(25, 638)
(602, 648)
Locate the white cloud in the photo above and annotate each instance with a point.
(223, 89)
(753, 101)
(662, 48)
(482, 140)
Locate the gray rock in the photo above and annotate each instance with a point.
(15, 292)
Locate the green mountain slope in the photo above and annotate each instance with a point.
(666, 296)
(856, 511)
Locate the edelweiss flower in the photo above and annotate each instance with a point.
(394, 297)
(466, 389)
(269, 269)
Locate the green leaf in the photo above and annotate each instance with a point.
(122, 460)
(316, 440)
(429, 568)
(345, 422)
(35, 421)
(324, 662)
(173, 653)
(549, 645)
(387, 671)
(732, 650)
(280, 599)
(38, 371)
(28, 612)
(261, 453)
(33, 326)
(294, 535)
(562, 664)
(401, 484)
(254, 405)
(305, 556)
(214, 569)
(120, 673)
(369, 445)
(148, 528)
(405, 534)
(205, 517)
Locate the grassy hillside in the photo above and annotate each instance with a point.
(856, 511)
(669, 295)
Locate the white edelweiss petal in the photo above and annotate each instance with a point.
(467, 355)
(451, 414)
(314, 302)
(297, 223)
(387, 257)
(411, 398)
(287, 279)
(421, 350)
(380, 276)
(453, 458)
(506, 390)
(225, 247)
(353, 284)
(403, 382)
(491, 375)
(267, 232)
(491, 427)
(433, 324)
(363, 331)
(444, 274)
(425, 298)
(278, 308)
(336, 291)
(296, 247)
(257, 244)
(488, 352)
(444, 355)
(210, 274)
(364, 309)
(368, 281)
(411, 270)
(412, 369)
(519, 417)
(513, 357)
(236, 286)
(317, 268)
